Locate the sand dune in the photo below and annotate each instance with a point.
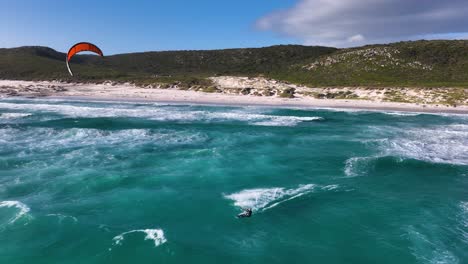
(127, 91)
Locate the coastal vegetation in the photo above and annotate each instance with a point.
(423, 72)
(436, 63)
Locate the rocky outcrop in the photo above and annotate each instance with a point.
(369, 59)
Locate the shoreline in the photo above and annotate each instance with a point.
(131, 93)
(332, 104)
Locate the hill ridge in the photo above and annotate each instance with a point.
(424, 63)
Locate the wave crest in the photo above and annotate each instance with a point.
(22, 209)
(158, 113)
(445, 144)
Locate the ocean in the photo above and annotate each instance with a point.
(136, 182)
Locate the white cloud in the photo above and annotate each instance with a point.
(355, 22)
(356, 38)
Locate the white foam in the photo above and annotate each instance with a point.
(260, 199)
(22, 209)
(330, 187)
(14, 115)
(156, 235)
(286, 120)
(357, 111)
(49, 138)
(403, 113)
(158, 113)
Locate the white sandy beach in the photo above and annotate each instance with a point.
(130, 92)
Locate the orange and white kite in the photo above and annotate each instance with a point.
(80, 47)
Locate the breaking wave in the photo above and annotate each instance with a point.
(267, 198)
(21, 207)
(438, 144)
(156, 235)
(158, 113)
(403, 113)
(443, 144)
(286, 120)
(49, 138)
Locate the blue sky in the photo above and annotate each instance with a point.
(131, 26)
(128, 26)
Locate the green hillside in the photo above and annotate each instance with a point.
(45, 63)
(419, 63)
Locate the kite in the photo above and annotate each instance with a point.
(80, 47)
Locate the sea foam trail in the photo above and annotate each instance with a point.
(22, 209)
(158, 113)
(429, 250)
(156, 235)
(267, 198)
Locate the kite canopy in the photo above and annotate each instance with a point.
(80, 47)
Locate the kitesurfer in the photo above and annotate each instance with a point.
(247, 213)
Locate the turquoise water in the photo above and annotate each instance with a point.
(114, 182)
